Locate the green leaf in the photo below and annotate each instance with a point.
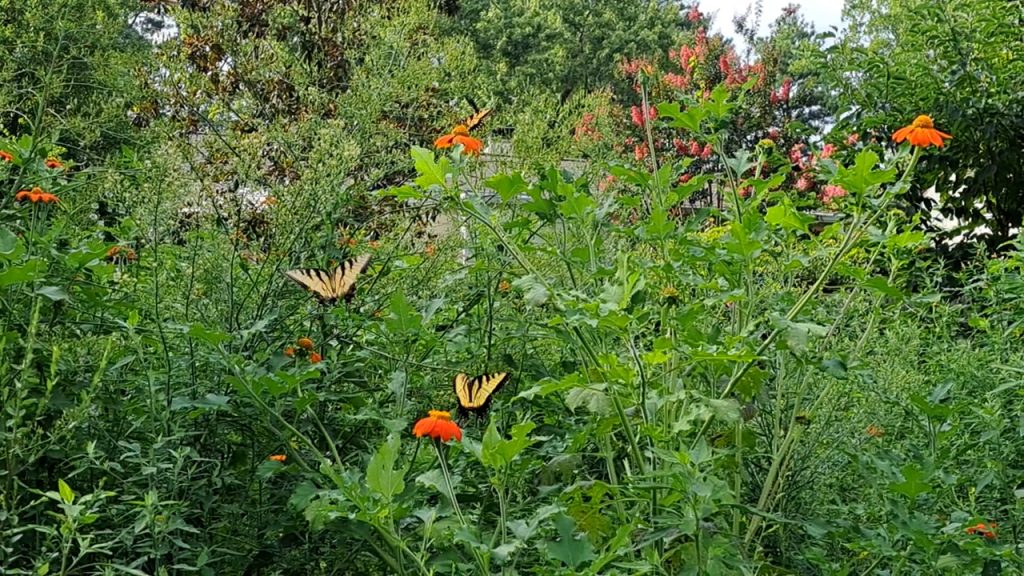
(862, 176)
(66, 494)
(690, 119)
(881, 285)
(508, 186)
(914, 482)
(496, 452)
(8, 241)
(208, 335)
(431, 172)
(787, 217)
(404, 319)
(52, 292)
(381, 476)
(569, 549)
(26, 272)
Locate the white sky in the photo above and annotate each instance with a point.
(822, 13)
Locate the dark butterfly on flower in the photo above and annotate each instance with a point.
(475, 394)
(328, 286)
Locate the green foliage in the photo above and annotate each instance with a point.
(957, 62)
(747, 388)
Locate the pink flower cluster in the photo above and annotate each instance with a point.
(692, 149)
(783, 94)
(831, 193)
(694, 14)
(586, 130)
(635, 66)
(640, 118)
(735, 74)
(687, 57)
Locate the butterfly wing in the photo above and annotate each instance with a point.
(476, 394)
(315, 281)
(475, 120)
(328, 287)
(346, 274)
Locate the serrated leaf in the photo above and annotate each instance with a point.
(569, 549)
(381, 476)
(431, 172)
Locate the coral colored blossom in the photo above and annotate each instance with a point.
(677, 81)
(694, 148)
(852, 139)
(921, 133)
(460, 135)
(289, 351)
(315, 358)
(706, 152)
(694, 14)
(6, 156)
(439, 426)
(831, 193)
(828, 150)
(277, 457)
(35, 196)
(982, 529)
(685, 177)
(305, 343)
(746, 191)
(53, 163)
(640, 152)
(804, 183)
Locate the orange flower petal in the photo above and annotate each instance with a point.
(445, 141)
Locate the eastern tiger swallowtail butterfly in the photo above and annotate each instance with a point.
(475, 394)
(475, 120)
(328, 286)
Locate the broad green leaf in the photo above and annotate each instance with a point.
(8, 241)
(381, 476)
(507, 186)
(569, 549)
(54, 293)
(690, 119)
(862, 176)
(787, 217)
(66, 494)
(496, 452)
(404, 319)
(210, 336)
(26, 272)
(914, 482)
(881, 285)
(431, 172)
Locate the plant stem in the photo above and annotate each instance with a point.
(455, 504)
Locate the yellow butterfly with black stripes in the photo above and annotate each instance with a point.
(476, 119)
(329, 286)
(475, 394)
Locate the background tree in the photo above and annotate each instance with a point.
(960, 62)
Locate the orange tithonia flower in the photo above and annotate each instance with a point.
(875, 431)
(277, 457)
(315, 358)
(305, 343)
(460, 135)
(504, 286)
(982, 529)
(36, 195)
(289, 352)
(439, 426)
(6, 156)
(52, 162)
(921, 133)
